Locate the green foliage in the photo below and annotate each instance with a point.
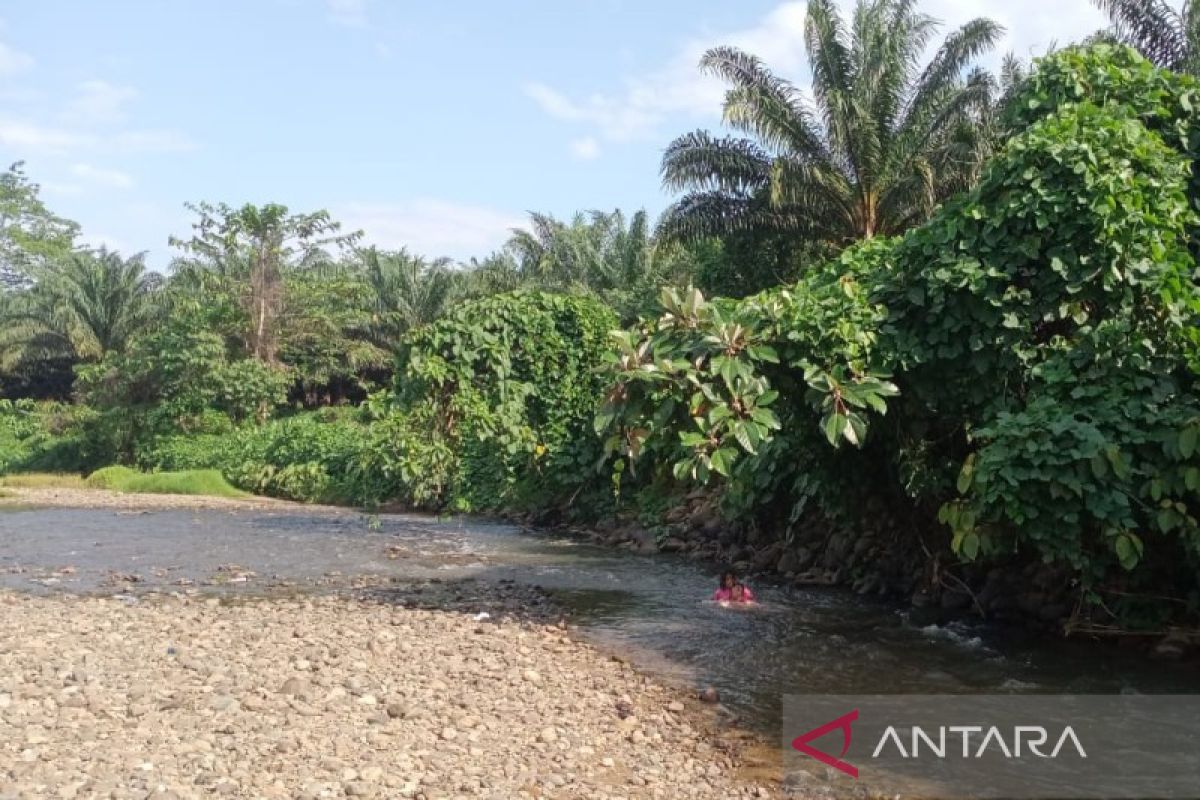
(31, 236)
(313, 457)
(78, 308)
(249, 251)
(748, 262)
(603, 254)
(492, 404)
(699, 384)
(43, 480)
(873, 152)
(47, 437)
(206, 482)
(405, 292)
(1165, 33)
(326, 333)
(1023, 365)
(177, 378)
(694, 379)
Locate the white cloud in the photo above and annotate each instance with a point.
(586, 148)
(431, 227)
(61, 189)
(25, 137)
(99, 102)
(13, 61)
(1031, 26)
(112, 178)
(679, 88)
(28, 138)
(351, 13)
(153, 140)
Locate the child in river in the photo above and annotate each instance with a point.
(732, 591)
(724, 592)
(741, 594)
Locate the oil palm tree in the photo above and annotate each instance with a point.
(494, 274)
(81, 308)
(406, 291)
(858, 160)
(596, 250)
(1168, 36)
(965, 147)
(609, 254)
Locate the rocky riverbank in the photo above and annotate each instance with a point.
(334, 697)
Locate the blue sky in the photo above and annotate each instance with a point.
(435, 125)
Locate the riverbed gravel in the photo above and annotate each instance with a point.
(334, 696)
(73, 497)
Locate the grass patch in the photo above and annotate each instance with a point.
(44, 480)
(193, 481)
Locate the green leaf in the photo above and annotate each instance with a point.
(1187, 441)
(764, 352)
(722, 460)
(877, 403)
(970, 545)
(856, 430)
(766, 417)
(743, 437)
(833, 425)
(966, 474)
(1129, 550)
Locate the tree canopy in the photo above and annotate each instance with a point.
(868, 156)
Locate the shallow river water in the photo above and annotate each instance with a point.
(652, 609)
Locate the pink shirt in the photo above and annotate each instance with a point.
(722, 594)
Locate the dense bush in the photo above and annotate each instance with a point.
(1033, 346)
(48, 437)
(313, 457)
(179, 378)
(491, 408)
(492, 405)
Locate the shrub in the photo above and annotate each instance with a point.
(491, 405)
(313, 457)
(176, 379)
(193, 482)
(48, 437)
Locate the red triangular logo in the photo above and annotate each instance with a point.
(844, 722)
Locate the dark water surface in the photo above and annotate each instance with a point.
(651, 608)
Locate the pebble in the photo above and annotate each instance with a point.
(287, 698)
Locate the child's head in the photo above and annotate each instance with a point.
(728, 580)
(739, 591)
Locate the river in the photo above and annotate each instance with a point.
(651, 609)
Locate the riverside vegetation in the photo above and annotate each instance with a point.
(959, 360)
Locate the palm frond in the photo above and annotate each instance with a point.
(1152, 27)
(699, 159)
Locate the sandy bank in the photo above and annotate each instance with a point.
(101, 498)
